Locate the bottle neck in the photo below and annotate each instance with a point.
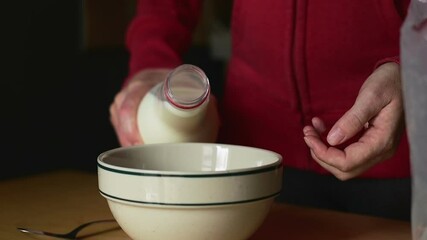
(186, 87)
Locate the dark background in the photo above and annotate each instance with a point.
(63, 62)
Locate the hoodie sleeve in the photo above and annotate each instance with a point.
(160, 32)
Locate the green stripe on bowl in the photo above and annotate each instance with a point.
(204, 175)
(189, 204)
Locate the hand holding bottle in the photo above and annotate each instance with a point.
(165, 105)
(124, 108)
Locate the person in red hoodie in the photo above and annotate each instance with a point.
(317, 82)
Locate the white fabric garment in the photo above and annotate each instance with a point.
(414, 79)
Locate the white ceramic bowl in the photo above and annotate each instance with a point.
(189, 190)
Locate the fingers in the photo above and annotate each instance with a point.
(344, 164)
(127, 121)
(123, 111)
(114, 117)
(123, 114)
(122, 117)
(318, 124)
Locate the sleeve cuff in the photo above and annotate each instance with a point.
(395, 59)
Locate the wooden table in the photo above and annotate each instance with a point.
(59, 201)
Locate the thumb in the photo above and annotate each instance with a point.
(364, 109)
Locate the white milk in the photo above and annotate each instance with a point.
(161, 121)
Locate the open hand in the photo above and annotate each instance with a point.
(377, 115)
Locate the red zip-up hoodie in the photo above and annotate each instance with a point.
(291, 60)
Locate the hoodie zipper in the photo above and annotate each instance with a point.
(298, 59)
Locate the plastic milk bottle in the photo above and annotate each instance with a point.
(178, 109)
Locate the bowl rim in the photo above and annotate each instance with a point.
(190, 174)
